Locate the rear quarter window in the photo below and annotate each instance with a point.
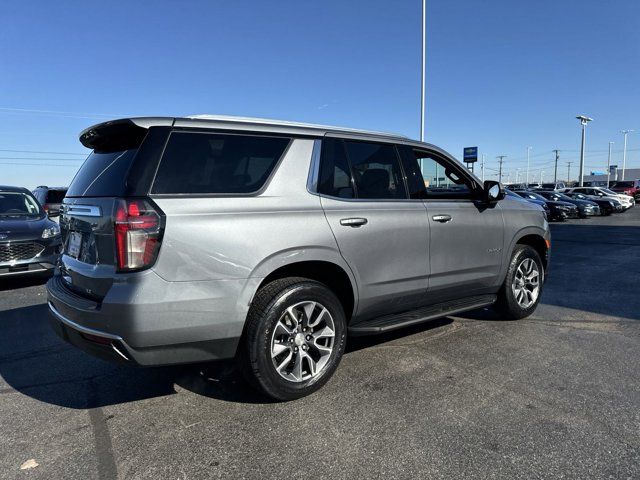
(213, 163)
(102, 175)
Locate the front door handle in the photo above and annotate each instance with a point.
(353, 222)
(441, 218)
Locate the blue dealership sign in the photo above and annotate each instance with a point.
(470, 154)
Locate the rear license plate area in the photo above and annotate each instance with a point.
(74, 244)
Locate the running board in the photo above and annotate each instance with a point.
(387, 323)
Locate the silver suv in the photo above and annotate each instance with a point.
(202, 238)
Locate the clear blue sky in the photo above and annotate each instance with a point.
(501, 74)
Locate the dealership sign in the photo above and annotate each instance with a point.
(470, 154)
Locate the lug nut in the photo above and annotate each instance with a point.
(295, 349)
(304, 347)
(308, 337)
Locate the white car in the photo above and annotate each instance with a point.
(627, 201)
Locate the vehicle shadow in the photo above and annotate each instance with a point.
(23, 281)
(35, 362)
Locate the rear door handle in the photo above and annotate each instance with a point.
(353, 222)
(441, 218)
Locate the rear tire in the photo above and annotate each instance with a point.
(522, 287)
(294, 339)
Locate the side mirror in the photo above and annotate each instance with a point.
(493, 191)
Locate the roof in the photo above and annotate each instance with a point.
(10, 188)
(231, 122)
(286, 123)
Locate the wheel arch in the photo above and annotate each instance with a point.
(334, 276)
(538, 243)
(534, 236)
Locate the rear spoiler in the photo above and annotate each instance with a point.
(122, 134)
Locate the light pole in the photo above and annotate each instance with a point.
(528, 151)
(583, 121)
(424, 61)
(609, 164)
(500, 160)
(482, 168)
(624, 150)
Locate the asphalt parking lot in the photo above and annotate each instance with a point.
(554, 396)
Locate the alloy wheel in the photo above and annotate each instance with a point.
(302, 341)
(526, 283)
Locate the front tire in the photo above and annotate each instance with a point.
(295, 337)
(522, 287)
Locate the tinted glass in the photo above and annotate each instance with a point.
(55, 196)
(376, 170)
(102, 175)
(441, 180)
(415, 182)
(40, 195)
(18, 204)
(217, 163)
(335, 176)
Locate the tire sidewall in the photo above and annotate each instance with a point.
(260, 352)
(511, 306)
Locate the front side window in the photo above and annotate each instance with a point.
(376, 170)
(441, 179)
(203, 163)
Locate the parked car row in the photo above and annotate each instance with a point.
(576, 202)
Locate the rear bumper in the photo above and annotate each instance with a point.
(152, 334)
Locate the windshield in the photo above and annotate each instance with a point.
(530, 195)
(606, 190)
(18, 204)
(562, 196)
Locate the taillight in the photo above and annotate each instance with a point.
(138, 232)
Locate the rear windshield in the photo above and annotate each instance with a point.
(102, 175)
(55, 196)
(211, 163)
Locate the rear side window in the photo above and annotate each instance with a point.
(217, 163)
(101, 175)
(415, 181)
(335, 175)
(376, 170)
